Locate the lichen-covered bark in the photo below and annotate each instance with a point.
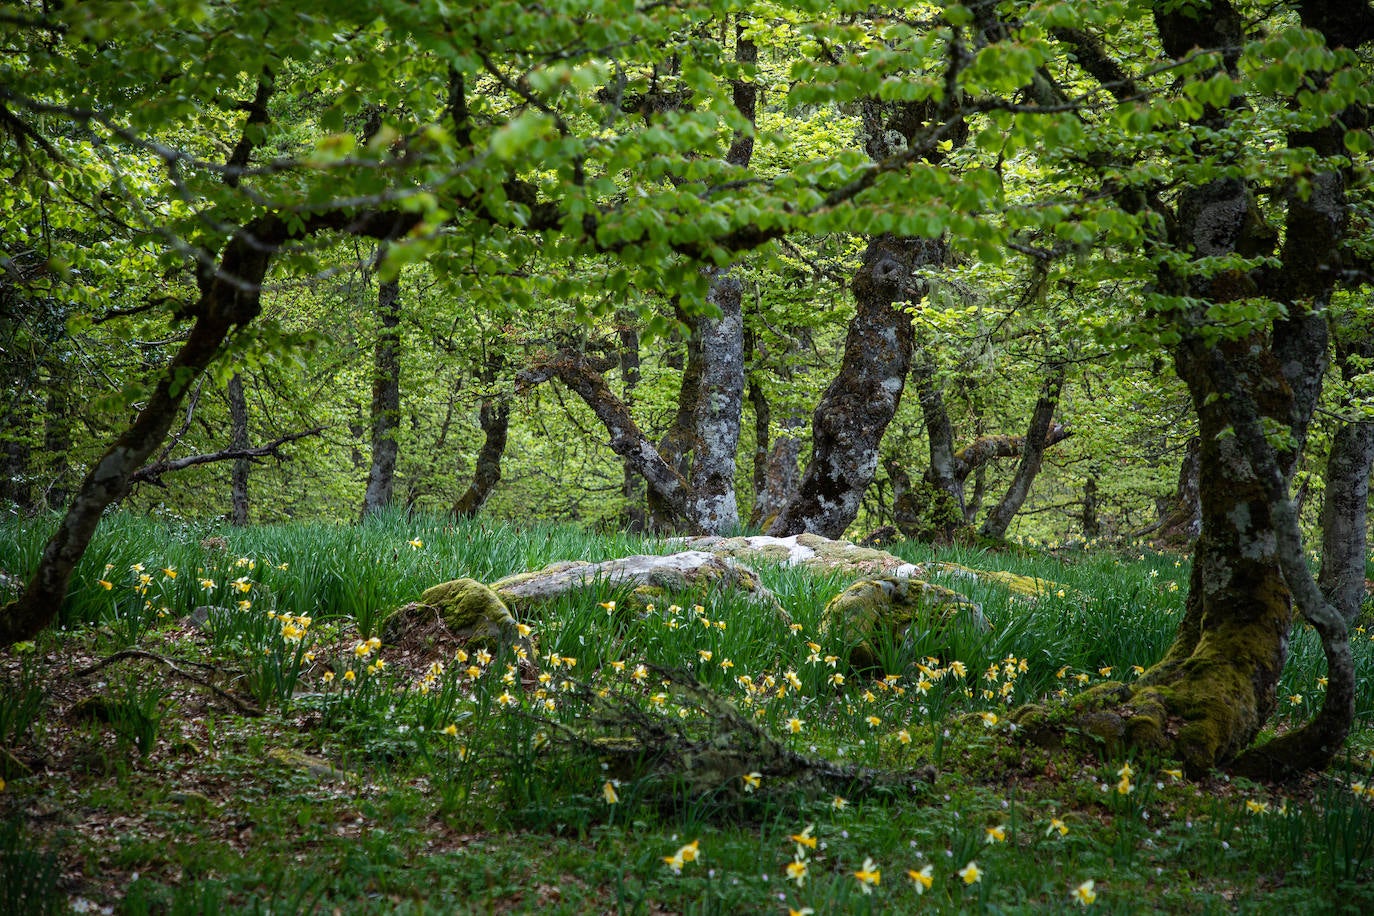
(854, 412)
(1207, 700)
(716, 417)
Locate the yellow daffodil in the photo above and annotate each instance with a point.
(804, 838)
(922, 879)
(838, 803)
(873, 721)
(791, 677)
(996, 834)
(689, 852)
(794, 725)
(989, 719)
(1056, 824)
(704, 654)
(1256, 807)
(415, 543)
(608, 792)
(640, 673)
(1176, 775)
(106, 584)
(869, 876)
(328, 676)
(971, 873)
(608, 605)
(726, 664)
(904, 736)
(506, 699)
(170, 572)
(349, 676)
(451, 731)
(796, 871)
(1105, 672)
(1084, 895)
(752, 780)
(524, 629)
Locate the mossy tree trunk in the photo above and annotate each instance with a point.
(1207, 700)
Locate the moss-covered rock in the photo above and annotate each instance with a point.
(468, 609)
(892, 605)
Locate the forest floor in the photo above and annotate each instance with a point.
(180, 765)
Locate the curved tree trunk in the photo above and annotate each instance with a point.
(494, 417)
(857, 407)
(230, 296)
(1032, 456)
(1207, 700)
(386, 400)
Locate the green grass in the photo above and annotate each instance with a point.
(433, 783)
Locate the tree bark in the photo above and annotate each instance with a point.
(854, 412)
(238, 440)
(1345, 511)
(720, 404)
(1032, 456)
(386, 400)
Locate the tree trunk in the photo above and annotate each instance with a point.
(857, 407)
(494, 417)
(584, 378)
(716, 415)
(386, 400)
(238, 439)
(229, 297)
(1180, 515)
(636, 516)
(1092, 526)
(1345, 512)
(1032, 455)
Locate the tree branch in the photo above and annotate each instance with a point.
(152, 473)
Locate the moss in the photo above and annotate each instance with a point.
(1022, 586)
(892, 605)
(467, 608)
(467, 603)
